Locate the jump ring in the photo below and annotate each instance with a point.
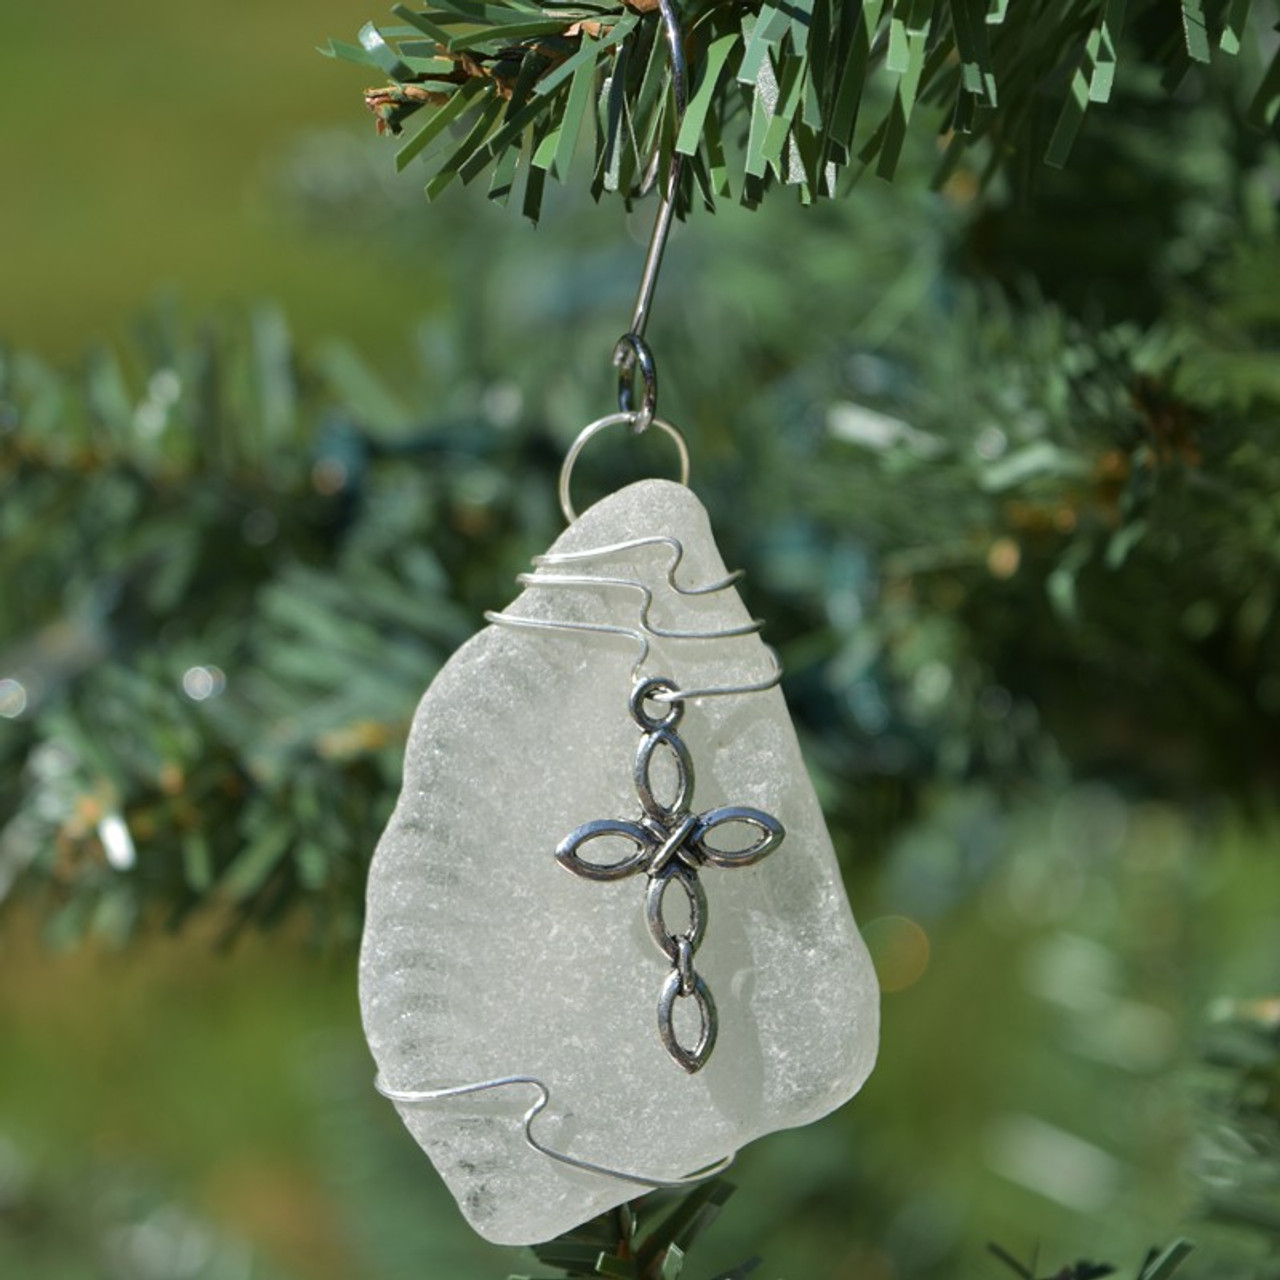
(631, 354)
(646, 691)
(613, 420)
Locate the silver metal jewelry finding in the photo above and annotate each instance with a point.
(671, 845)
(632, 356)
(648, 691)
(601, 424)
(684, 966)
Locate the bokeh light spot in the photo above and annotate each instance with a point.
(165, 387)
(1003, 558)
(117, 842)
(201, 683)
(899, 949)
(13, 698)
(329, 476)
(990, 444)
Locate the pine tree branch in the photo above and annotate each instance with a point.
(795, 94)
(1050, 503)
(614, 1244)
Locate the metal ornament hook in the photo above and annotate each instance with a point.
(632, 352)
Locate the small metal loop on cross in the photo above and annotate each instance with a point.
(646, 691)
(671, 844)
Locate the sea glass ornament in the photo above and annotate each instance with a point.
(484, 960)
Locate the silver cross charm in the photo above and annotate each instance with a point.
(671, 844)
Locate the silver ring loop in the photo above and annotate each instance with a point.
(645, 690)
(632, 354)
(601, 424)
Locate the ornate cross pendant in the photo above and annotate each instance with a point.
(671, 845)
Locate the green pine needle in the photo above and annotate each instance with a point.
(776, 90)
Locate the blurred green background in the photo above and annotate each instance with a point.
(1003, 473)
(142, 149)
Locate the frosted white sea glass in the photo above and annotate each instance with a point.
(483, 957)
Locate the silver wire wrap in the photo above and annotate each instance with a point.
(414, 1096)
(644, 628)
